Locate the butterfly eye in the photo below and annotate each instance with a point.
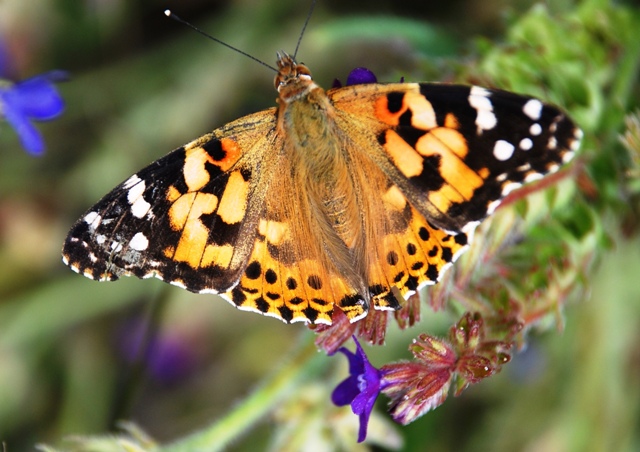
(303, 72)
(277, 82)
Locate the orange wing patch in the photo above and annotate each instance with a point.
(424, 116)
(411, 256)
(301, 292)
(188, 210)
(233, 204)
(404, 157)
(449, 147)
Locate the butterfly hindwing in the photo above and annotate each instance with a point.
(413, 254)
(289, 275)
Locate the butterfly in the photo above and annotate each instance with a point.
(354, 198)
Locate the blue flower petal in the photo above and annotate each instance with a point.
(360, 389)
(32, 99)
(36, 97)
(29, 136)
(364, 407)
(345, 392)
(356, 362)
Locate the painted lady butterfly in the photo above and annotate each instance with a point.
(352, 197)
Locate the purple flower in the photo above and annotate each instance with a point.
(35, 98)
(360, 389)
(360, 76)
(169, 358)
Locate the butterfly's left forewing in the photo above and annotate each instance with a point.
(182, 219)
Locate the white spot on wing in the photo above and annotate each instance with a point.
(535, 129)
(136, 191)
(139, 207)
(533, 109)
(503, 150)
(479, 92)
(533, 176)
(469, 229)
(139, 242)
(479, 99)
(575, 145)
(445, 267)
(353, 320)
(407, 295)
(509, 187)
(525, 144)
(178, 283)
(422, 285)
(116, 246)
(93, 219)
(492, 207)
(133, 180)
(154, 274)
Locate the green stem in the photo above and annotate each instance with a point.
(305, 362)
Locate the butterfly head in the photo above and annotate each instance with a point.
(292, 77)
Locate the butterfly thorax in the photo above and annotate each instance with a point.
(306, 117)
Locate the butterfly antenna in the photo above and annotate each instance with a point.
(304, 27)
(170, 15)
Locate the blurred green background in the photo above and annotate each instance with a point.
(142, 85)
